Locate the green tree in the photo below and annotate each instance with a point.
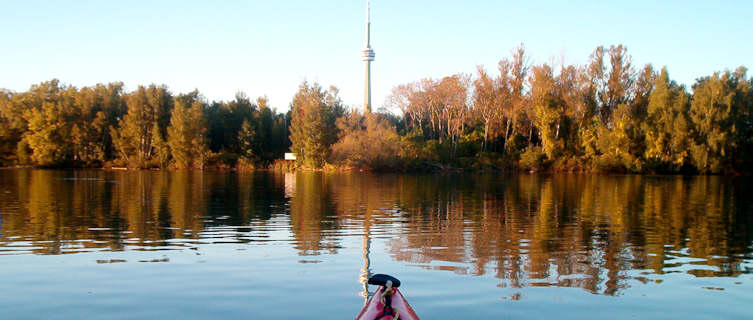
(744, 119)
(186, 135)
(225, 120)
(49, 125)
(161, 148)
(12, 125)
(45, 136)
(712, 114)
(636, 113)
(614, 144)
(312, 128)
(97, 109)
(666, 127)
(280, 135)
(265, 123)
(133, 139)
(248, 141)
(94, 107)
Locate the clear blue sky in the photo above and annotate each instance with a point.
(269, 47)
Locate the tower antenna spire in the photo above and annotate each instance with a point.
(367, 55)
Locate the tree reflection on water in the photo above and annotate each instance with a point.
(588, 231)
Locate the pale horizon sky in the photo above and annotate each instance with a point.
(270, 47)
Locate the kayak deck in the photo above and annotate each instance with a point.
(375, 307)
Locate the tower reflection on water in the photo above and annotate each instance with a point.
(366, 270)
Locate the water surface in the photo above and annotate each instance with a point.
(150, 244)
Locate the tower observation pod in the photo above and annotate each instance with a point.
(367, 55)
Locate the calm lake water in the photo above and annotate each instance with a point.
(185, 245)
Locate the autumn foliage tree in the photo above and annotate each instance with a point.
(606, 115)
(366, 141)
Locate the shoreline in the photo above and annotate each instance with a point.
(383, 171)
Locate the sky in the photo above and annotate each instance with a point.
(270, 47)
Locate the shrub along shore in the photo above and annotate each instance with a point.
(605, 116)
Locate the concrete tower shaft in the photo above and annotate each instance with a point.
(367, 55)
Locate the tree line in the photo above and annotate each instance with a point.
(605, 115)
(54, 125)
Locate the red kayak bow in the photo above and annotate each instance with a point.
(387, 302)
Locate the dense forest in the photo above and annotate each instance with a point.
(53, 125)
(606, 115)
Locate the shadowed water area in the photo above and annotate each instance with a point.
(150, 244)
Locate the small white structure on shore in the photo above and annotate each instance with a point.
(290, 156)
